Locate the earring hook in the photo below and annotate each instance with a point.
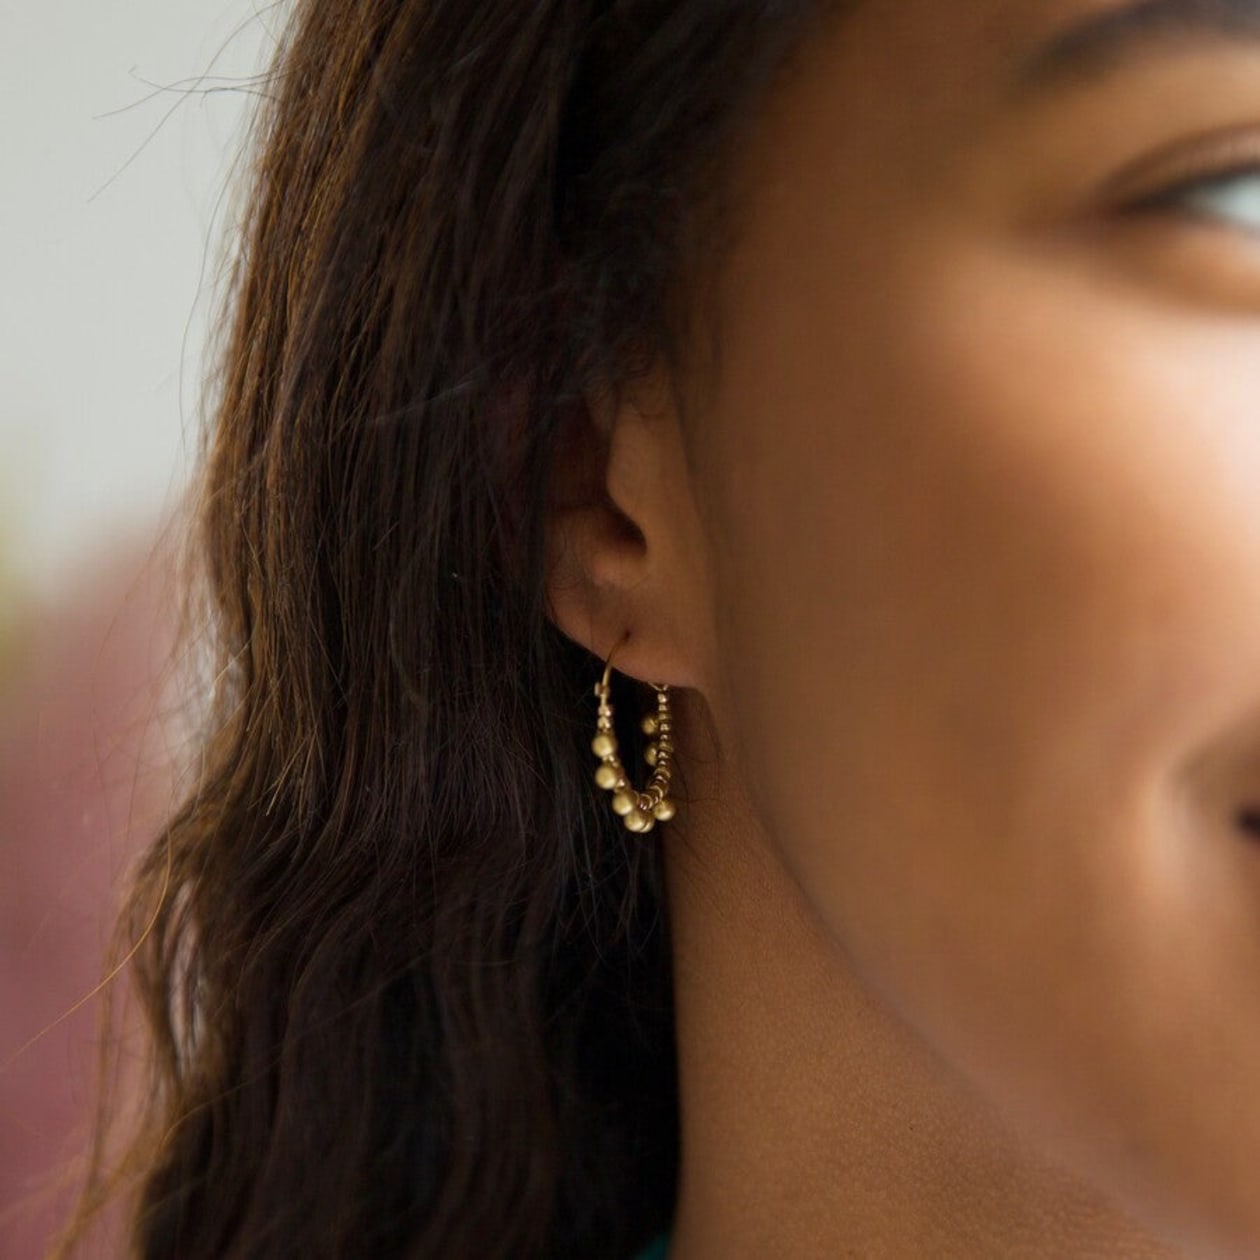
(608, 661)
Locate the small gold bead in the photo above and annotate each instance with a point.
(639, 811)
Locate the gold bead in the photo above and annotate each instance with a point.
(639, 811)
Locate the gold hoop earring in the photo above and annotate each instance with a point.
(639, 811)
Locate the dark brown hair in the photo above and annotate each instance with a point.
(407, 978)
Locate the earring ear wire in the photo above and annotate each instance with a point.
(639, 811)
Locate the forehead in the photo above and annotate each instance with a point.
(872, 55)
(956, 68)
(1046, 42)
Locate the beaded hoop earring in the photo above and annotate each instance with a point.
(639, 811)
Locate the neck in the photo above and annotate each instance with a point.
(815, 1122)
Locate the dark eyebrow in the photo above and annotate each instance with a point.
(1099, 44)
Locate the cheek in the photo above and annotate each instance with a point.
(992, 582)
(992, 534)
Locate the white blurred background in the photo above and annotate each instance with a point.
(119, 124)
(116, 126)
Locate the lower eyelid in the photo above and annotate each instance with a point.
(1184, 255)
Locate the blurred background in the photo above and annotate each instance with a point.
(119, 127)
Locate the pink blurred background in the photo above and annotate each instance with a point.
(87, 741)
(120, 126)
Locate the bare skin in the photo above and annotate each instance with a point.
(960, 599)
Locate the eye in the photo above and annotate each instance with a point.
(1231, 197)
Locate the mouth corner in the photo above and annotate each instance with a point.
(1247, 819)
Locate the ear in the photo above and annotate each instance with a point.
(626, 554)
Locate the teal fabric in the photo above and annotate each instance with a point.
(656, 1249)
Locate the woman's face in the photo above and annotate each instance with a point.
(982, 489)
